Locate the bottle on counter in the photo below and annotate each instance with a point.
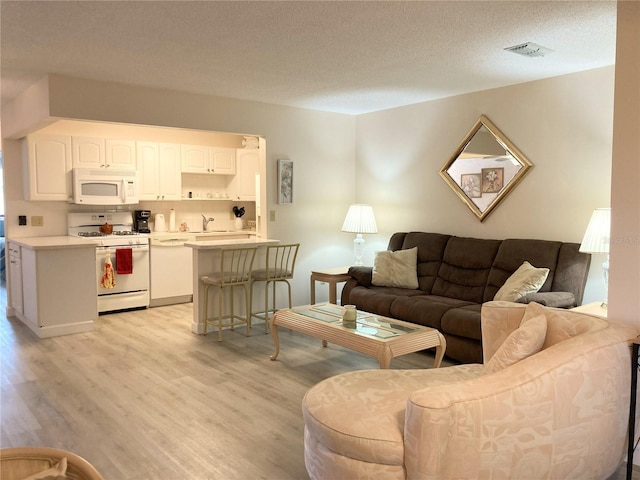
(172, 220)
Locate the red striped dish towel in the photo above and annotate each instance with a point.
(124, 261)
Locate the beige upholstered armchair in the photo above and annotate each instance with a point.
(550, 401)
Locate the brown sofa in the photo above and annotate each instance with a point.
(456, 275)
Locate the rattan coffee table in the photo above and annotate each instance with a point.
(377, 336)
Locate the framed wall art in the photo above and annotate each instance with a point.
(285, 182)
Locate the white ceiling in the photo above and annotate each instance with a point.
(340, 56)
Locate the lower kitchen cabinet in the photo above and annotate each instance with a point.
(59, 292)
(15, 278)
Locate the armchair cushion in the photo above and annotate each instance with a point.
(526, 279)
(396, 269)
(562, 324)
(522, 343)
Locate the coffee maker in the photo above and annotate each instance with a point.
(141, 221)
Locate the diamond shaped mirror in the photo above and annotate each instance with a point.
(485, 167)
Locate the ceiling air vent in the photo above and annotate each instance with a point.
(529, 49)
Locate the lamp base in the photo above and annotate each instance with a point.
(358, 248)
(605, 271)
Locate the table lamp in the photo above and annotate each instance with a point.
(359, 220)
(596, 240)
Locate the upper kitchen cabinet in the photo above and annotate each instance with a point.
(159, 168)
(95, 152)
(48, 164)
(243, 185)
(208, 160)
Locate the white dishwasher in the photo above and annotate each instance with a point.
(171, 269)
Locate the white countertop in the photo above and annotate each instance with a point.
(239, 242)
(201, 234)
(43, 243)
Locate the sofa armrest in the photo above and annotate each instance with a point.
(362, 275)
(477, 427)
(550, 299)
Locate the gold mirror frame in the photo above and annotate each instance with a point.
(485, 167)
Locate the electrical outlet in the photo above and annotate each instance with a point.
(37, 221)
(22, 219)
(272, 215)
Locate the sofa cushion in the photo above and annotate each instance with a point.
(360, 414)
(378, 299)
(513, 252)
(430, 251)
(526, 279)
(396, 269)
(562, 324)
(520, 344)
(465, 268)
(463, 322)
(424, 309)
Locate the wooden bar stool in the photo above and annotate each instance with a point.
(235, 271)
(280, 264)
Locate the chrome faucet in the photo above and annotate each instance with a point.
(205, 222)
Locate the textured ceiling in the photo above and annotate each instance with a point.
(340, 56)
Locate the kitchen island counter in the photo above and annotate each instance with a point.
(238, 242)
(59, 242)
(206, 260)
(52, 284)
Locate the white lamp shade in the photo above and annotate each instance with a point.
(597, 237)
(360, 219)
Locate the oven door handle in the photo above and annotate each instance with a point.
(135, 248)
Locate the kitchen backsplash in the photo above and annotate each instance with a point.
(191, 211)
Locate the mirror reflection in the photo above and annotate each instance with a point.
(484, 168)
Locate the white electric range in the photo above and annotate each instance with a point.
(130, 290)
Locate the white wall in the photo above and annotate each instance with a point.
(624, 284)
(564, 127)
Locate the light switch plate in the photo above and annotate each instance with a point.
(272, 215)
(37, 221)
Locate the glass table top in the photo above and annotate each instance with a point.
(367, 324)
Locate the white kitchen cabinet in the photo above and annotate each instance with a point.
(208, 160)
(15, 279)
(89, 152)
(223, 160)
(243, 186)
(159, 171)
(97, 152)
(121, 154)
(48, 168)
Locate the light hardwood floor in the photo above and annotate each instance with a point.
(141, 397)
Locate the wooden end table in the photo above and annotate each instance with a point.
(377, 336)
(332, 276)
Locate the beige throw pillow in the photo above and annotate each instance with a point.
(562, 324)
(526, 279)
(522, 343)
(396, 269)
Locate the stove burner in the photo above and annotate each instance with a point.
(91, 234)
(125, 232)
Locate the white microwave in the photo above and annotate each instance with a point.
(100, 187)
